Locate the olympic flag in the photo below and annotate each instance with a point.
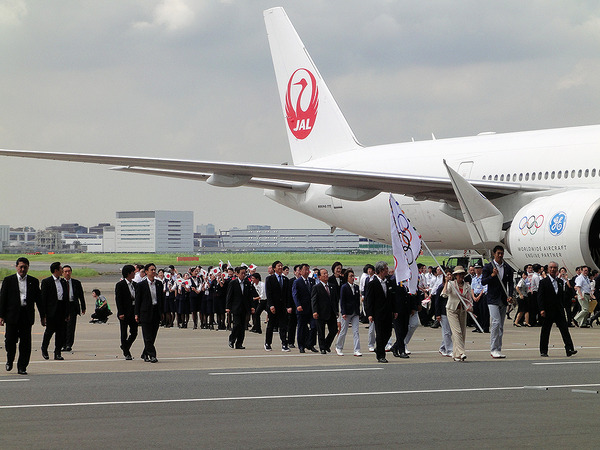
(406, 245)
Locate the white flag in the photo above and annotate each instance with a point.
(406, 246)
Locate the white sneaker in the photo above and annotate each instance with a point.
(407, 351)
(371, 349)
(357, 354)
(339, 352)
(388, 347)
(498, 355)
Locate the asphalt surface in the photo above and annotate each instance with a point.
(202, 393)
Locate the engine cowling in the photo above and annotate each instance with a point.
(563, 227)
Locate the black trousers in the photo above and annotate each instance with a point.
(383, 331)
(128, 324)
(557, 317)
(71, 324)
(307, 331)
(55, 326)
(262, 306)
(326, 341)
(238, 331)
(20, 332)
(483, 316)
(149, 332)
(279, 319)
(400, 325)
(292, 324)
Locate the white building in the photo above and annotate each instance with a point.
(4, 236)
(154, 232)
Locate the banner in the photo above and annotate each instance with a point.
(406, 246)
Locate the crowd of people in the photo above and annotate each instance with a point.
(309, 309)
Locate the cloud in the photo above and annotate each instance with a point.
(172, 15)
(12, 12)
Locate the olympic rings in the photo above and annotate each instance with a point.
(530, 225)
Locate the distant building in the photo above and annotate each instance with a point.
(154, 232)
(206, 229)
(4, 236)
(98, 229)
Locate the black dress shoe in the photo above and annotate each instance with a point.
(313, 349)
(328, 350)
(291, 346)
(64, 349)
(22, 371)
(58, 357)
(382, 360)
(544, 355)
(240, 347)
(323, 352)
(301, 350)
(571, 352)
(9, 366)
(403, 355)
(68, 349)
(128, 357)
(45, 354)
(146, 358)
(153, 359)
(395, 352)
(230, 344)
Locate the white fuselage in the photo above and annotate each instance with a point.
(528, 158)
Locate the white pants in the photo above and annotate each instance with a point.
(413, 324)
(371, 341)
(354, 320)
(497, 317)
(446, 347)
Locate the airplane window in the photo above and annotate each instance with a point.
(559, 174)
(587, 173)
(539, 175)
(572, 174)
(533, 176)
(527, 176)
(495, 177)
(520, 177)
(593, 172)
(545, 175)
(579, 174)
(483, 177)
(552, 174)
(566, 174)
(502, 177)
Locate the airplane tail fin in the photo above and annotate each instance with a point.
(315, 125)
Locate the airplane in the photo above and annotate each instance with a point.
(472, 192)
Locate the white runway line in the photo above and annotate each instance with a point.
(16, 380)
(564, 363)
(289, 396)
(294, 371)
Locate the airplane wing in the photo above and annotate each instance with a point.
(344, 184)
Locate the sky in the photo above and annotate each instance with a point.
(193, 79)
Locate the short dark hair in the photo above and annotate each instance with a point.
(147, 266)
(275, 264)
(346, 273)
(54, 266)
(286, 268)
(367, 267)
(320, 270)
(127, 270)
(297, 267)
(303, 265)
(239, 269)
(256, 275)
(96, 291)
(23, 260)
(335, 264)
(67, 266)
(496, 248)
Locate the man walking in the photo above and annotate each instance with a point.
(125, 300)
(54, 298)
(551, 298)
(18, 295)
(149, 301)
(76, 306)
(238, 302)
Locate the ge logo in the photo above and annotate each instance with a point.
(558, 223)
(530, 225)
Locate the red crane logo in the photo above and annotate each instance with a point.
(301, 121)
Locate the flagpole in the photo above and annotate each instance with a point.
(453, 287)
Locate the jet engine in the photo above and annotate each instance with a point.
(563, 227)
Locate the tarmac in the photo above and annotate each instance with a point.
(205, 394)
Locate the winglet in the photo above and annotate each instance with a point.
(483, 219)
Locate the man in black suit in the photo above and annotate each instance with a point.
(55, 298)
(76, 306)
(238, 302)
(551, 299)
(307, 326)
(279, 304)
(325, 308)
(380, 307)
(18, 294)
(149, 302)
(125, 300)
(406, 306)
